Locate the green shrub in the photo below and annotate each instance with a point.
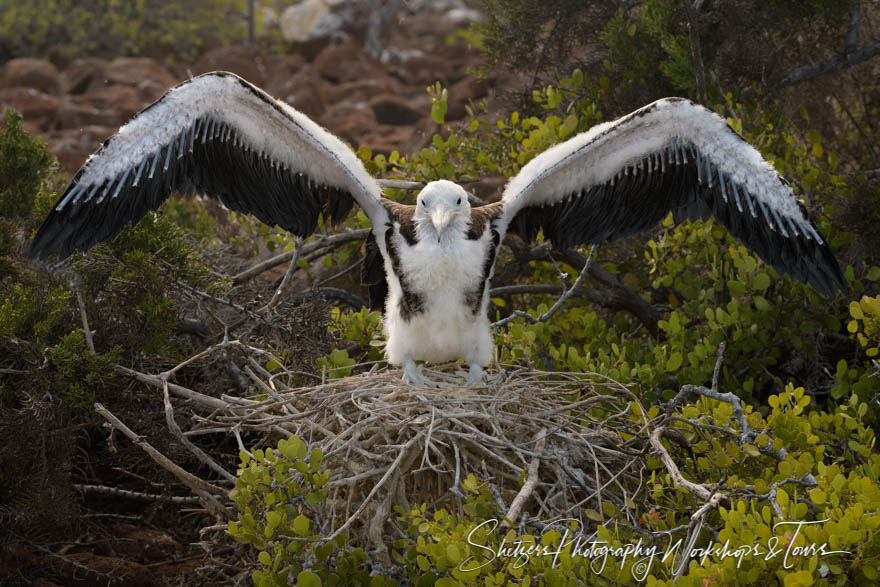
(26, 166)
(278, 495)
(117, 28)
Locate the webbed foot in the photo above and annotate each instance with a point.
(412, 374)
(476, 376)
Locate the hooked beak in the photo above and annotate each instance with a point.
(440, 218)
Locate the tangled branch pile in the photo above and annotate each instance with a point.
(389, 444)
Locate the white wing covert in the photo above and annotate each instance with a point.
(218, 135)
(624, 176)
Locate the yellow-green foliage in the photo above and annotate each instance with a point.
(26, 165)
(30, 313)
(131, 277)
(279, 493)
(126, 286)
(78, 372)
(118, 27)
(829, 529)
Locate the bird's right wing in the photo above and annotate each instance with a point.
(675, 156)
(218, 135)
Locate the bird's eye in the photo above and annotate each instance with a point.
(424, 203)
(458, 202)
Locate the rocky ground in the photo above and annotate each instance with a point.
(381, 103)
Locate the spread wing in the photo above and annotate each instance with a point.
(673, 155)
(218, 135)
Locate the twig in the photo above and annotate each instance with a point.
(178, 434)
(559, 302)
(693, 26)
(294, 265)
(205, 400)
(134, 495)
(700, 490)
(748, 435)
(328, 242)
(208, 296)
(328, 292)
(549, 289)
(391, 469)
(833, 64)
(85, 320)
(616, 297)
(531, 482)
(203, 489)
(807, 480)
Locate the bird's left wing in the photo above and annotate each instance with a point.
(624, 176)
(218, 135)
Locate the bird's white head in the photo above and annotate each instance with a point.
(442, 209)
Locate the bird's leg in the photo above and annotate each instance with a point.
(476, 375)
(412, 374)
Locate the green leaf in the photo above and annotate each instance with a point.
(423, 563)
(452, 554)
(761, 281)
(674, 362)
(315, 459)
(855, 310)
(273, 518)
(308, 579)
(301, 525)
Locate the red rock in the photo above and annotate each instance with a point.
(425, 70)
(73, 147)
(77, 116)
(281, 69)
(362, 90)
(351, 122)
(247, 61)
(341, 63)
(305, 91)
(151, 90)
(388, 139)
(36, 108)
(131, 71)
(468, 89)
(27, 72)
(85, 74)
(118, 102)
(488, 189)
(391, 109)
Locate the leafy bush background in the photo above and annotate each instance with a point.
(803, 363)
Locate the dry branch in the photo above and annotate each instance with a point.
(529, 486)
(330, 242)
(134, 495)
(559, 301)
(206, 491)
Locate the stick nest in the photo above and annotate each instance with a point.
(567, 440)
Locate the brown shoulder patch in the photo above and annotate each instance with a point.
(481, 217)
(403, 215)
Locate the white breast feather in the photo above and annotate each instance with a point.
(447, 327)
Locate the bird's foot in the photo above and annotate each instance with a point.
(476, 376)
(412, 374)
